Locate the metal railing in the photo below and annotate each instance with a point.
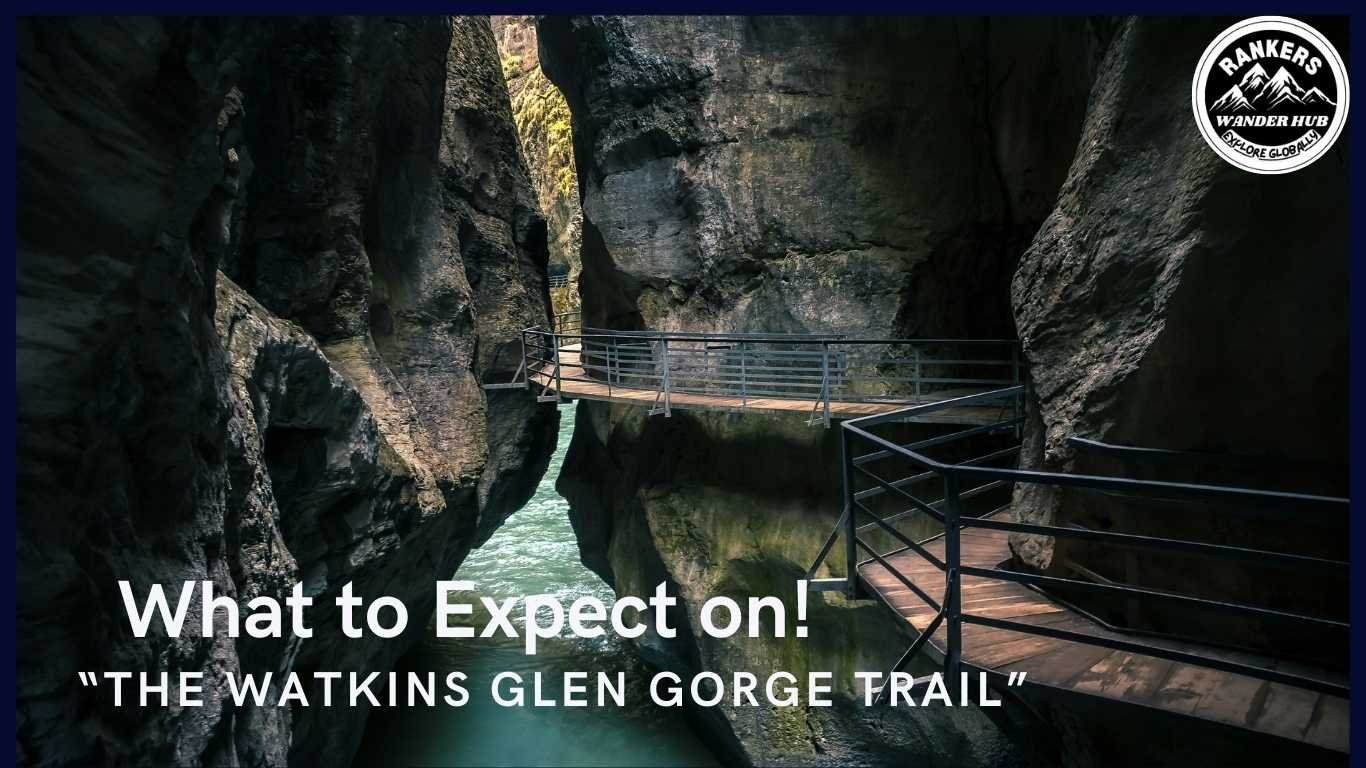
(879, 467)
(819, 369)
(565, 323)
(558, 281)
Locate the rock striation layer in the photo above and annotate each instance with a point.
(359, 179)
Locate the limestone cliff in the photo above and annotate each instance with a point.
(801, 174)
(872, 176)
(359, 178)
(1173, 301)
(544, 132)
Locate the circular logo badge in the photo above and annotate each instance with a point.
(1270, 94)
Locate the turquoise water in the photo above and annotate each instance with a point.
(534, 552)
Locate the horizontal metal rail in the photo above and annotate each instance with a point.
(1270, 674)
(886, 526)
(1170, 456)
(866, 456)
(924, 476)
(911, 585)
(1265, 557)
(567, 322)
(1152, 595)
(819, 369)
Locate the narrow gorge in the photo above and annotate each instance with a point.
(921, 178)
(273, 282)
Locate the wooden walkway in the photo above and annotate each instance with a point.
(573, 385)
(1223, 697)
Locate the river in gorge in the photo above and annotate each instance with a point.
(534, 552)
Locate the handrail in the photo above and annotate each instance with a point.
(961, 480)
(564, 322)
(815, 369)
(1169, 455)
(833, 338)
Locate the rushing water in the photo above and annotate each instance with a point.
(534, 552)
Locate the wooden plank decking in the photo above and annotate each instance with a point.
(1245, 702)
(573, 386)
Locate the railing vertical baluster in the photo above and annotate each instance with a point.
(851, 587)
(1016, 401)
(559, 383)
(665, 343)
(825, 380)
(526, 368)
(744, 384)
(952, 594)
(915, 355)
(706, 366)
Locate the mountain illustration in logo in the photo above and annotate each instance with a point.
(1259, 92)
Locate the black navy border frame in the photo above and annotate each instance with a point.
(1356, 135)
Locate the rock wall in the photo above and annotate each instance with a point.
(1140, 295)
(359, 178)
(801, 174)
(797, 175)
(872, 176)
(1173, 301)
(710, 512)
(545, 135)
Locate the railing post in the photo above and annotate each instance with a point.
(915, 355)
(1017, 402)
(611, 353)
(665, 343)
(526, 367)
(851, 586)
(559, 384)
(744, 385)
(953, 586)
(825, 380)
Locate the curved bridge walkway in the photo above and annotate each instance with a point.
(928, 532)
(823, 378)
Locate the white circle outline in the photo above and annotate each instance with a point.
(1258, 24)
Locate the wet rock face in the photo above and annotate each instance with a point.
(543, 129)
(322, 423)
(804, 174)
(1171, 300)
